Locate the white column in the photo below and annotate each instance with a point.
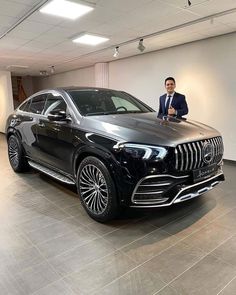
(102, 75)
(6, 98)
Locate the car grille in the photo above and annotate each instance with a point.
(189, 156)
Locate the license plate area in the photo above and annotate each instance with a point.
(204, 172)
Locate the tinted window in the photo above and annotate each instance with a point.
(123, 104)
(54, 103)
(23, 107)
(100, 102)
(37, 104)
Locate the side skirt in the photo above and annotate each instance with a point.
(51, 172)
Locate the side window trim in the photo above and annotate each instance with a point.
(42, 95)
(53, 93)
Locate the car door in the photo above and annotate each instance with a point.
(54, 138)
(29, 116)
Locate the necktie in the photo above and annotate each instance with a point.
(167, 104)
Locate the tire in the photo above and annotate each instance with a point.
(16, 155)
(97, 190)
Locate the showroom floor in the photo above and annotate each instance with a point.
(48, 245)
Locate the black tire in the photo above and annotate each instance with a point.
(97, 190)
(16, 155)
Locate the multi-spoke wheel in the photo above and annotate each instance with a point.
(15, 154)
(96, 189)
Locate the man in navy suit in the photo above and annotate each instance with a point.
(172, 103)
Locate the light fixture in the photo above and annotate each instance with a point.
(90, 39)
(17, 66)
(189, 3)
(66, 9)
(52, 69)
(116, 53)
(43, 73)
(141, 47)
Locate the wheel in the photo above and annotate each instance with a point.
(97, 190)
(16, 155)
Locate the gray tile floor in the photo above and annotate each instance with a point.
(48, 245)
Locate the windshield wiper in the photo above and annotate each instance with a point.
(112, 113)
(100, 113)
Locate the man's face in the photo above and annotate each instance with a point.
(170, 86)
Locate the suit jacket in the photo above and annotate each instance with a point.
(178, 103)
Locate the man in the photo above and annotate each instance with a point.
(172, 103)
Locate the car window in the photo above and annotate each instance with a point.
(23, 107)
(53, 103)
(105, 102)
(37, 104)
(123, 104)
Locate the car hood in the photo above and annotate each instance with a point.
(148, 128)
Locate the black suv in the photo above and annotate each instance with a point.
(114, 148)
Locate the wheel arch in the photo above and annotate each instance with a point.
(104, 156)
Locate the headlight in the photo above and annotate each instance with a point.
(142, 151)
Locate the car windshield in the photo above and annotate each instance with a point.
(93, 102)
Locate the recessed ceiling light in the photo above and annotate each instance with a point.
(17, 66)
(90, 39)
(66, 9)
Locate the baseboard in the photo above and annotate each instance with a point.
(230, 162)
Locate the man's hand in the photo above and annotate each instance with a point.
(171, 111)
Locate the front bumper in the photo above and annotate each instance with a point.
(165, 190)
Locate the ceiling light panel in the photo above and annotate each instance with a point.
(67, 9)
(89, 39)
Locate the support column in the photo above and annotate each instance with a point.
(102, 75)
(6, 98)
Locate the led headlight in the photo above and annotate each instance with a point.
(142, 151)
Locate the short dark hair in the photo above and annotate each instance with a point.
(169, 78)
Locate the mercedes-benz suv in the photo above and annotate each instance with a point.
(114, 148)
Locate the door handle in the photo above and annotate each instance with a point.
(41, 124)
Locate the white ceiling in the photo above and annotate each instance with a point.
(41, 41)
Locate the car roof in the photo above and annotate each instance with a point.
(68, 88)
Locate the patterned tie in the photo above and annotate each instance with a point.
(167, 104)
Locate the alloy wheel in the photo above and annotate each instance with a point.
(93, 188)
(13, 152)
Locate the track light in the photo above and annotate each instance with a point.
(189, 3)
(116, 53)
(52, 69)
(141, 47)
(43, 73)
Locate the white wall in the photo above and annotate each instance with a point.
(6, 99)
(205, 72)
(80, 77)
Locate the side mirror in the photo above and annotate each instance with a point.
(57, 115)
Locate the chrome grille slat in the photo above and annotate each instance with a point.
(191, 156)
(188, 156)
(176, 159)
(216, 148)
(200, 154)
(187, 160)
(182, 158)
(196, 158)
